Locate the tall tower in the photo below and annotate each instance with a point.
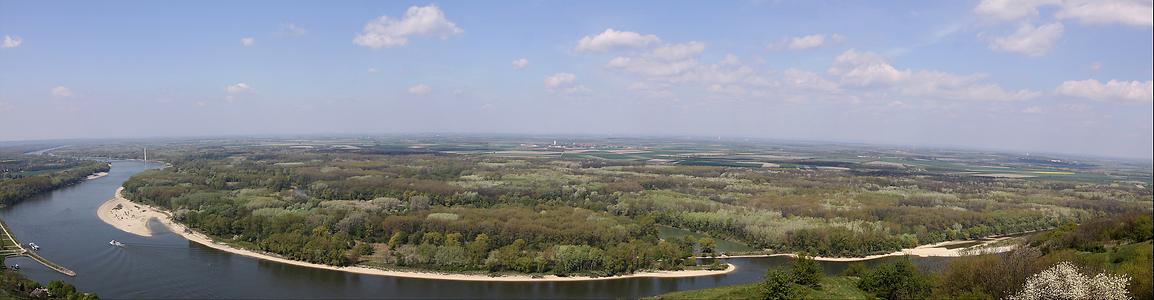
(145, 155)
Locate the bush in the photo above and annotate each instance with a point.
(806, 271)
(897, 280)
(778, 284)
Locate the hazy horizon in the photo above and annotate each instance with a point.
(1066, 78)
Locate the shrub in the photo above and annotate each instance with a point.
(806, 271)
(778, 285)
(898, 280)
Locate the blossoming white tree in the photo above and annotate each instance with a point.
(1064, 281)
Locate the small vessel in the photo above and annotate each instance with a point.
(116, 243)
(33, 246)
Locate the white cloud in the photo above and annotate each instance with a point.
(866, 68)
(611, 39)
(1129, 12)
(1113, 90)
(247, 41)
(1009, 10)
(373, 70)
(1030, 40)
(679, 51)
(872, 71)
(420, 89)
(520, 63)
(559, 79)
(669, 71)
(62, 92)
(12, 41)
(798, 43)
(292, 29)
(238, 88)
(667, 66)
(665, 60)
(564, 83)
(947, 86)
(808, 81)
(806, 42)
(385, 32)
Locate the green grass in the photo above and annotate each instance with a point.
(837, 287)
(740, 291)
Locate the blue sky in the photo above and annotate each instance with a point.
(1064, 76)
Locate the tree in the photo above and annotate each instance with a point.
(478, 248)
(897, 280)
(433, 238)
(778, 285)
(1064, 281)
(707, 245)
(397, 239)
(806, 271)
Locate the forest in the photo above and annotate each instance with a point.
(25, 176)
(534, 211)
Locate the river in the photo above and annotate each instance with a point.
(64, 224)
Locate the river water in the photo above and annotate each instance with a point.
(64, 224)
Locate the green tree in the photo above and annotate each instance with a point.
(433, 238)
(778, 285)
(897, 280)
(708, 246)
(806, 271)
(478, 248)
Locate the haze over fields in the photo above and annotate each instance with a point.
(1045, 76)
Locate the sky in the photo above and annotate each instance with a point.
(1055, 76)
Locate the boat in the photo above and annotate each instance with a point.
(116, 243)
(33, 246)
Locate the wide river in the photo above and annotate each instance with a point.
(65, 225)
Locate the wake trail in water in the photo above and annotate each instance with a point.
(162, 246)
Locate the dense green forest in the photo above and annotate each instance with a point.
(518, 211)
(1108, 247)
(26, 176)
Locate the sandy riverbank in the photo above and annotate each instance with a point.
(133, 218)
(931, 250)
(96, 175)
(127, 216)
